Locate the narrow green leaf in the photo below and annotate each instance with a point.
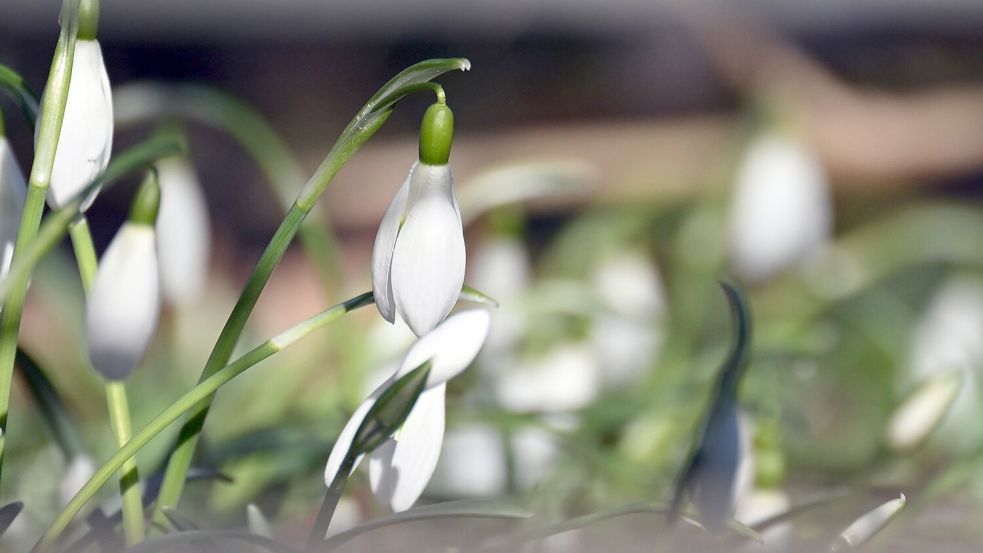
(389, 412)
(168, 542)
(466, 508)
(474, 295)
(52, 407)
(8, 513)
(25, 98)
(414, 75)
(181, 522)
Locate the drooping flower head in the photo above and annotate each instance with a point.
(183, 231)
(86, 138)
(418, 258)
(402, 466)
(124, 304)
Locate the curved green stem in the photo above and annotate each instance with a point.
(119, 409)
(362, 127)
(25, 98)
(205, 389)
(52, 114)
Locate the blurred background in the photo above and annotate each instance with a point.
(612, 161)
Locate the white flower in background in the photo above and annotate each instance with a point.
(124, 304)
(781, 210)
(418, 259)
(472, 462)
(868, 525)
(760, 504)
(184, 233)
(628, 336)
(564, 379)
(946, 339)
(79, 470)
(535, 450)
(13, 189)
(502, 270)
(402, 466)
(922, 411)
(86, 138)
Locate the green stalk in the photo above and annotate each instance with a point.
(187, 403)
(52, 114)
(362, 127)
(17, 89)
(119, 409)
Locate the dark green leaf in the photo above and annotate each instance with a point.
(25, 98)
(8, 513)
(389, 411)
(52, 407)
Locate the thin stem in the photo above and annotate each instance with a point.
(331, 498)
(52, 114)
(186, 403)
(119, 408)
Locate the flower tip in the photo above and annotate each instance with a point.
(465, 64)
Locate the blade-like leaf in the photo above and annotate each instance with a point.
(52, 407)
(414, 75)
(25, 98)
(257, 521)
(168, 542)
(180, 522)
(390, 411)
(8, 513)
(467, 508)
(474, 295)
(868, 525)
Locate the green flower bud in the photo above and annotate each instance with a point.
(146, 203)
(436, 134)
(88, 19)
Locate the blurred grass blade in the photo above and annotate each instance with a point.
(522, 182)
(474, 295)
(52, 407)
(544, 531)
(8, 513)
(181, 522)
(26, 99)
(257, 521)
(868, 525)
(466, 508)
(922, 412)
(221, 537)
(810, 504)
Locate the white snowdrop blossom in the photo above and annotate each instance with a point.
(13, 190)
(124, 303)
(564, 379)
(86, 138)
(922, 411)
(781, 210)
(868, 525)
(418, 258)
(183, 231)
(401, 467)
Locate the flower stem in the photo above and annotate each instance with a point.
(331, 498)
(205, 389)
(52, 114)
(119, 409)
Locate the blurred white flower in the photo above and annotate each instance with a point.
(13, 190)
(535, 450)
(183, 232)
(781, 210)
(564, 379)
(502, 270)
(401, 468)
(630, 285)
(86, 139)
(922, 411)
(124, 304)
(472, 462)
(868, 525)
(79, 470)
(759, 505)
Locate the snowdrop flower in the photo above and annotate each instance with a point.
(124, 305)
(418, 258)
(184, 232)
(472, 462)
(564, 379)
(922, 411)
(868, 525)
(402, 466)
(781, 211)
(86, 138)
(13, 189)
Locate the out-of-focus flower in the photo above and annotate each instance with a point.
(868, 525)
(86, 138)
(124, 304)
(13, 189)
(760, 504)
(502, 270)
(564, 379)
(79, 470)
(781, 210)
(184, 233)
(922, 411)
(472, 462)
(402, 466)
(418, 259)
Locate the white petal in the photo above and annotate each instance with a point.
(344, 441)
(428, 259)
(13, 190)
(781, 210)
(871, 523)
(382, 251)
(86, 139)
(399, 472)
(183, 232)
(123, 308)
(451, 347)
(922, 411)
